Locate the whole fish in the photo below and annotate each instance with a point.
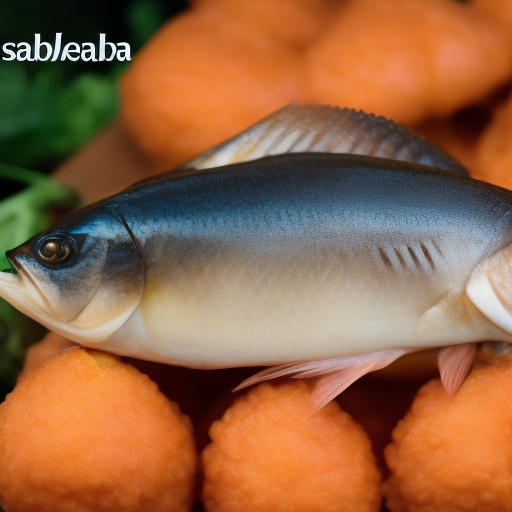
(328, 242)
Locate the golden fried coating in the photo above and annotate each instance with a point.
(86, 432)
(269, 453)
(452, 454)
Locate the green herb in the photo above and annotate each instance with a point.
(45, 119)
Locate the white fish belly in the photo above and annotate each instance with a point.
(246, 309)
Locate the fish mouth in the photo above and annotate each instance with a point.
(19, 289)
(12, 288)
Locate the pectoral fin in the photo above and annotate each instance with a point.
(454, 364)
(334, 375)
(490, 288)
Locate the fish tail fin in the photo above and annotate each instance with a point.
(454, 364)
(334, 375)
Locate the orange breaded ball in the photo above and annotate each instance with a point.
(494, 149)
(407, 59)
(51, 345)
(452, 454)
(269, 453)
(295, 22)
(200, 80)
(86, 432)
(499, 10)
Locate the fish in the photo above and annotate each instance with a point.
(321, 242)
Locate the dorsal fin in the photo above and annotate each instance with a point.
(324, 129)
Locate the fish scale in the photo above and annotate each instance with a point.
(330, 264)
(332, 194)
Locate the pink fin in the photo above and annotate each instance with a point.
(454, 364)
(335, 375)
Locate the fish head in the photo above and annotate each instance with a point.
(490, 288)
(82, 279)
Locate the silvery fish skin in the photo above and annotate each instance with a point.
(283, 259)
(326, 241)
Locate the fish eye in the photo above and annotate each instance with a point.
(55, 249)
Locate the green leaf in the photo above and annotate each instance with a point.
(45, 118)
